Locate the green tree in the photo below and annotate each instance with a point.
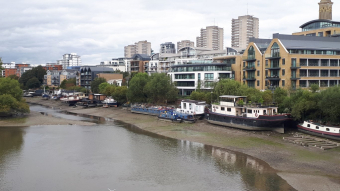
(119, 94)
(230, 87)
(267, 97)
(11, 101)
(314, 88)
(33, 83)
(329, 104)
(102, 88)
(95, 84)
(1, 68)
(136, 88)
(37, 72)
(66, 84)
(13, 76)
(253, 95)
(77, 89)
(160, 89)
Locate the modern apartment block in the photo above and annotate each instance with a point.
(211, 37)
(185, 43)
(8, 69)
(290, 61)
(242, 29)
(52, 66)
(70, 60)
(54, 78)
(167, 48)
(141, 47)
(87, 74)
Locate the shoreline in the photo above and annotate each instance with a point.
(289, 160)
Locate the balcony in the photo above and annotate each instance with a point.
(273, 77)
(274, 67)
(295, 66)
(295, 77)
(250, 78)
(272, 56)
(249, 68)
(249, 58)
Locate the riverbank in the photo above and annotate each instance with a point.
(317, 169)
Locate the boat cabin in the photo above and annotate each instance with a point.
(100, 97)
(236, 106)
(192, 107)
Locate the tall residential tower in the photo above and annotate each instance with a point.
(242, 29)
(211, 37)
(141, 47)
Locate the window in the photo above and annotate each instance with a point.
(327, 129)
(229, 109)
(184, 105)
(222, 108)
(283, 72)
(317, 127)
(266, 62)
(258, 63)
(283, 61)
(244, 64)
(258, 82)
(251, 53)
(209, 76)
(283, 83)
(275, 50)
(258, 73)
(199, 76)
(250, 111)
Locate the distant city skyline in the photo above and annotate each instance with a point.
(37, 32)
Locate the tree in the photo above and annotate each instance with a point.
(11, 101)
(95, 84)
(66, 84)
(1, 68)
(37, 72)
(33, 83)
(267, 97)
(329, 104)
(13, 77)
(119, 94)
(230, 87)
(136, 92)
(102, 88)
(314, 88)
(160, 89)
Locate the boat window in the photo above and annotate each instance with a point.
(317, 127)
(327, 129)
(264, 112)
(250, 111)
(222, 108)
(308, 125)
(185, 105)
(228, 109)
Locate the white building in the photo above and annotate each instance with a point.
(116, 64)
(141, 47)
(70, 60)
(211, 37)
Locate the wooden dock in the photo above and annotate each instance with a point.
(312, 141)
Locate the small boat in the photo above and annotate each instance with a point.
(188, 118)
(45, 96)
(28, 94)
(146, 110)
(310, 127)
(71, 100)
(110, 102)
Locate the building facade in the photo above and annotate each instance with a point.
(242, 29)
(113, 79)
(167, 48)
(325, 9)
(211, 37)
(69, 60)
(185, 43)
(54, 78)
(87, 74)
(53, 66)
(141, 47)
(8, 69)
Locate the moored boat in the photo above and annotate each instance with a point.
(231, 112)
(310, 127)
(169, 115)
(146, 110)
(109, 102)
(193, 107)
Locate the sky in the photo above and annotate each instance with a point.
(40, 32)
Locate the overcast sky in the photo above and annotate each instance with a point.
(40, 32)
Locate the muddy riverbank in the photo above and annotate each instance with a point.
(294, 163)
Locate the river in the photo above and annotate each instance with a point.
(113, 155)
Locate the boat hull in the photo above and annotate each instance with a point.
(263, 123)
(334, 136)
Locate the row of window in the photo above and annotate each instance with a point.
(200, 68)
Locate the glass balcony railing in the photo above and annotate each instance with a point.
(295, 65)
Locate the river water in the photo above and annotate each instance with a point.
(113, 155)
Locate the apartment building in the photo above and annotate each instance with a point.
(54, 78)
(8, 69)
(117, 64)
(139, 63)
(69, 60)
(167, 48)
(87, 74)
(141, 47)
(211, 37)
(242, 29)
(53, 66)
(185, 43)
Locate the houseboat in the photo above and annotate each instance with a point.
(70, 100)
(146, 110)
(310, 127)
(231, 112)
(169, 115)
(193, 107)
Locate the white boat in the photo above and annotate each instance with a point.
(310, 127)
(192, 107)
(110, 102)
